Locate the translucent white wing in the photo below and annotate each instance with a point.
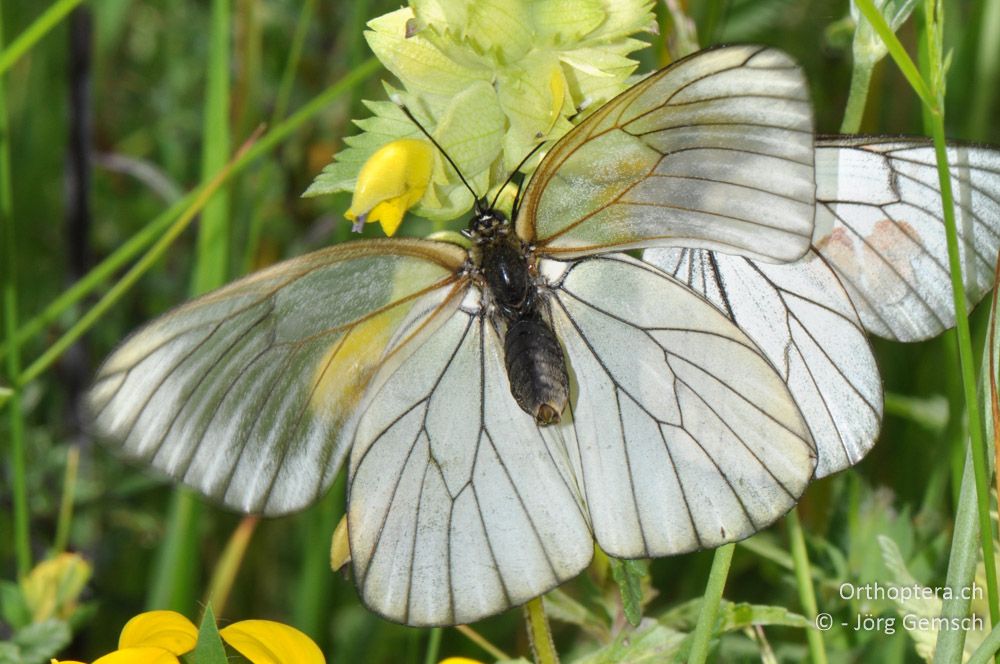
(879, 225)
(686, 437)
(799, 315)
(246, 394)
(459, 505)
(714, 151)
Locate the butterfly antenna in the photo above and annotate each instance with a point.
(461, 177)
(511, 177)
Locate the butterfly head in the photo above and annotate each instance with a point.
(487, 223)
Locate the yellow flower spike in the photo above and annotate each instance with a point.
(52, 588)
(139, 655)
(166, 630)
(267, 642)
(392, 181)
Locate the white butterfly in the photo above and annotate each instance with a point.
(878, 262)
(675, 430)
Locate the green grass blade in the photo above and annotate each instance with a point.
(172, 585)
(314, 583)
(122, 286)
(965, 353)
(961, 567)
(228, 564)
(174, 573)
(212, 265)
(99, 274)
(18, 470)
(897, 52)
(803, 582)
(68, 500)
(987, 649)
(951, 649)
(433, 646)
(38, 29)
(987, 71)
(292, 63)
(266, 144)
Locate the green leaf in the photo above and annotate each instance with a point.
(629, 574)
(651, 642)
(40, 642)
(9, 653)
(737, 616)
(13, 610)
(5, 393)
(560, 606)
(209, 649)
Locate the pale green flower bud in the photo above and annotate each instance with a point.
(489, 79)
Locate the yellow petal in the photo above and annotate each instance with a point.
(140, 655)
(392, 181)
(459, 660)
(390, 214)
(267, 642)
(64, 661)
(167, 630)
(340, 547)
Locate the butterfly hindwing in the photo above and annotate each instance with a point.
(879, 225)
(459, 504)
(685, 435)
(714, 151)
(246, 394)
(799, 315)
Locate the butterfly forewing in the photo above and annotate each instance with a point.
(799, 315)
(460, 505)
(879, 224)
(685, 435)
(246, 394)
(714, 151)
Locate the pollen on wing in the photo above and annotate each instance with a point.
(342, 374)
(886, 255)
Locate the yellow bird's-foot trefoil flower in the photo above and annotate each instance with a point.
(392, 181)
(161, 637)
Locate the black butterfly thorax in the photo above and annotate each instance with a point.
(507, 273)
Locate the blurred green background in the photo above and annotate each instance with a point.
(143, 66)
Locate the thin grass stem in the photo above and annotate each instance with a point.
(433, 645)
(8, 273)
(194, 201)
(228, 565)
(481, 641)
(803, 582)
(965, 353)
(175, 570)
(67, 501)
(705, 627)
(897, 52)
(40, 27)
